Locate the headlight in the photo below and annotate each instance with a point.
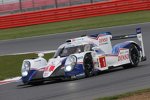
(25, 68)
(27, 65)
(70, 63)
(68, 68)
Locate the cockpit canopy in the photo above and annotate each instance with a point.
(66, 50)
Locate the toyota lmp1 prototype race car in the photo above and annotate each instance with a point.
(84, 56)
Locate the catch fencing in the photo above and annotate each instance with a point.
(18, 6)
(73, 12)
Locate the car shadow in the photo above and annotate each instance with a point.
(114, 70)
(21, 86)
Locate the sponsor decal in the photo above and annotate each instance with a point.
(103, 40)
(123, 57)
(123, 51)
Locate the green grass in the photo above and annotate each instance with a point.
(125, 95)
(10, 66)
(74, 25)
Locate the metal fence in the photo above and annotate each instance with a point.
(15, 6)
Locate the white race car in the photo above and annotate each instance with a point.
(84, 56)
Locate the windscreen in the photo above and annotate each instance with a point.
(66, 51)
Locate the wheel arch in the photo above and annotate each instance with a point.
(126, 45)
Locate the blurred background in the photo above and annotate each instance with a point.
(17, 6)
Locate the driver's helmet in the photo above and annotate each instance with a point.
(65, 51)
(78, 50)
(87, 47)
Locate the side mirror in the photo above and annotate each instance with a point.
(95, 48)
(40, 55)
(58, 57)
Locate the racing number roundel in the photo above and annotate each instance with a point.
(102, 62)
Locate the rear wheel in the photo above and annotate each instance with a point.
(88, 65)
(134, 56)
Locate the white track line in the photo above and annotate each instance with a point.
(36, 52)
(10, 80)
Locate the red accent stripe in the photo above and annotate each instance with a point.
(5, 82)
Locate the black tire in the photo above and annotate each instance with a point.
(134, 56)
(88, 65)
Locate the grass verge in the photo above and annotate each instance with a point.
(74, 25)
(129, 96)
(10, 66)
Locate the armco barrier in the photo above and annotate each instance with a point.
(74, 12)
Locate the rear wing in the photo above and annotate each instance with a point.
(138, 35)
(138, 31)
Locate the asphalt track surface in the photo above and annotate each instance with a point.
(106, 84)
(51, 42)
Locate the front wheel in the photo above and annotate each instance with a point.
(88, 65)
(134, 56)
